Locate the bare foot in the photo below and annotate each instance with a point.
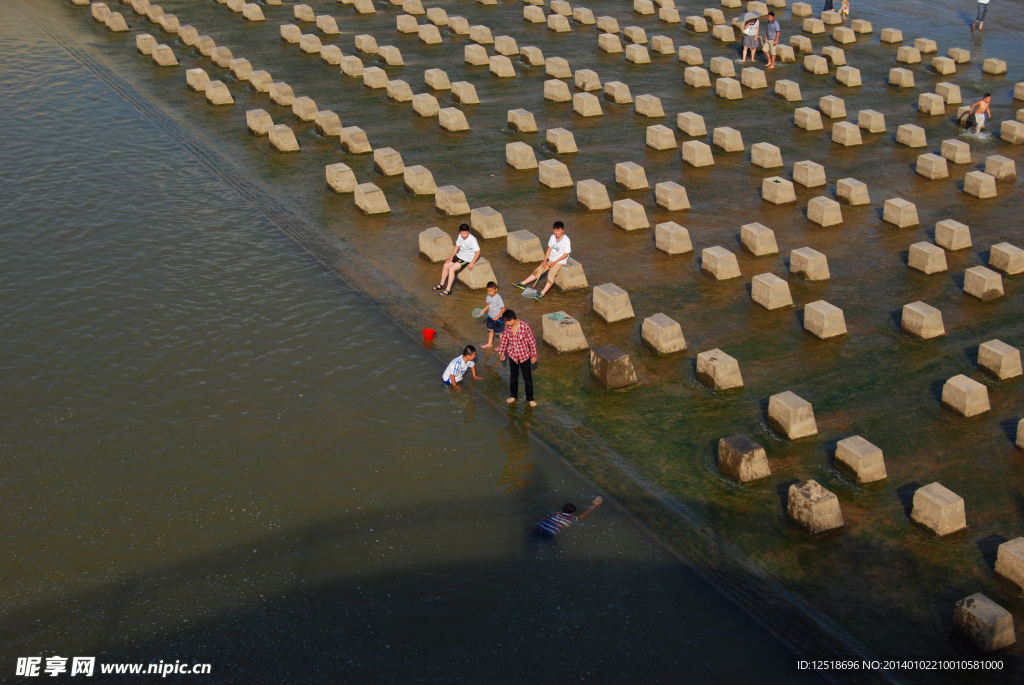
(532, 403)
(511, 400)
(485, 347)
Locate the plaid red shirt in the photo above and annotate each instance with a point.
(518, 347)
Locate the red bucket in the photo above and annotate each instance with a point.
(428, 334)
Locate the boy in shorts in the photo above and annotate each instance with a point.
(495, 308)
(458, 367)
(556, 256)
(464, 254)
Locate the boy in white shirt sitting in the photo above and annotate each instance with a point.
(557, 255)
(458, 367)
(465, 253)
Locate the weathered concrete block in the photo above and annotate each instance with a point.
(258, 121)
(758, 240)
(802, 9)
(852, 192)
(617, 92)
(691, 124)
(696, 77)
(932, 166)
(557, 67)
(582, 15)
(629, 215)
(611, 303)
(718, 370)
(452, 119)
(115, 22)
(927, 258)
(753, 78)
(809, 174)
(556, 91)
(861, 26)
(1012, 131)
(1007, 258)
(824, 320)
(649, 106)
(643, 6)
(902, 78)
(802, 44)
(728, 88)
(637, 54)
(478, 277)
(241, 68)
(282, 94)
(719, 263)
(611, 368)
(999, 359)
(742, 459)
(524, 247)
(342, 179)
(476, 55)
(792, 416)
(221, 56)
(985, 624)
(429, 35)
(956, 151)
(291, 33)
(723, 33)
(993, 66)
(391, 55)
(197, 79)
(959, 55)
(630, 176)
(218, 94)
(777, 190)
(145, 43)
(698, 154)
(892, 36)
(815, 64)
(563, 333)
(790, 91)
(925, 45)
(304, 13)
(554, 174)
(406, 23)
(152, 12)
(965, 396)
(663, 334)
(845, 133)
(481, 34)
(558, 23)
(723, 66)
(691, 55)
(980, 185)
(164, 56)
(952, 235)
(419, 180)
(784, 53)
(521, 120)
(835, 55)
(900, 213)
(100, 11)
(770, 291)
(458, 25)
(1001, 168)
(304, 108)
(414, 7)
(425, 105)
(375, 77)
(661, 138)
(593, 195)
(832, 107)
(908, 55)
(283, 138)
(501, 66)
(326, 24)
(671, 238)
(844, 35)
(810, 264)
(938, 509)
(520, 156)
(437, 79)
(813, 508)
(352, 66)
(364, 6)
(671, 196)
(587, 105)
(261, 81)
(487, 223)
(871, 121)
(715, 16)
(561, 140)
(169, 23)
(943, 65)
(831, 18)
(1010, 562)
(534, 14)
(587, 80)
(663, 44)
(437, 16)
(388, 162)
(370, 199)
(610, 43)
(824, 211)
(848, 76)
(608, 24)
(922, 320)
(451, 201)
(807, 119)
(860, 461)
(931, 104)
(310, 44)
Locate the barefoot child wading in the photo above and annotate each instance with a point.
(465, 253)
(458, 367)
(495, 308)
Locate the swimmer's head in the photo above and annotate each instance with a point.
(569, 508)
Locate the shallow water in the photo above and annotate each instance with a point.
(878, 579)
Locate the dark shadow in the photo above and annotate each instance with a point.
(936, 389)
(972, 354)
(830, 452)
(783, 491)
(880, 212)
(799, 314)
(906, 495)
(763, 404)
(905, 257)
(958, 280)
(897, 317)
(749, 288)
(1009, 428)
(989, 547)
(984, 256)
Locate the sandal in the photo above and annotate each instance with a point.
(445, 293)
(439, 286)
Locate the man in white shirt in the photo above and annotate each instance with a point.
(465, 253)
(557, 254)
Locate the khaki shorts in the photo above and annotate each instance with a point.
(552, 270)
(770, 47)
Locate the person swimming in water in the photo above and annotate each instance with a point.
(557, 522)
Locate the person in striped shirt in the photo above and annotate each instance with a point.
(557, 522)
(518, 343)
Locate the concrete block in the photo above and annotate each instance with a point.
(116, 23)
(375, 77)
(824, 320)
(753, 78)
(927, 258)
(352, 66)
(723, 33)
(429, 35)
(261, 80)
(771, 292)
(388, 161)
(802, 9)
(437, 79)
(809, 174)
(366, 44)
(718, 370)
(478, 277)
(844, 35)
(980, 185)
(671, 238)
(911, 136)
(558, 23)
(728, 88)
(370, 199)
(169, 23)
(784, 53)
(778, 190)
(731, 4)
(587, 80)
(983, 623)
(925, 45)
(152, 12)
(145, 43)
(437, 16)
(425, 105)
(1010, 562)
(637, 54)
(807, 119)
(520, 156)
(813, 26)
(326, 24)
(892, 36)
(617, 92)
(908, 55)
(952, 235)
(742, 459)
(587, 105)
(792, 416)
(561, 141)
(696, 77)
(611, 303)
(932, 166)
(304, 13)
(458, 25)
(476, 55)
(860, 461)
(831, 18)
(824, 211)
(391, 55)
(715, 16)
(1001, 168)
(406, 23)
(582, 15)
(688, 54)
(801, 44)
(845, 133)
(848, 76)
(481, 34)
(900, 213)
(765, 155)
(835, 55)
(342, 179)
(959, 55)
(852, 192)
(534, 14)
(758, 240)
(815, 64)
(593, 195)
(563, 333)
(938, 509)
(487, 223)
(630, 176)
(643, 6)
(931, 104)
(1012, 131)
(304, 108)
(832, 107)
(364, 6)
(291, 33)
(723, 66)
(610, 43)
(999, 359)
(671, 196)
(451, 201)
(719, 263)
(956, 151)
(452, 119)
(943, 65)
(994, 67)
(903, 78)
(649, 106)
(965, 396)
(861, 26)
(506, 45)
(419, 180)
(556, 91)
(661, 138)
(414, 7)
(635, 34)
(501, 66)
(810, 264)
(663, 334)
(524, 247)
(100, 11)
(790, 91)
(283, 138)
(922, 320)
(221, 56)
(1007, 258)
(198, 80)
(663, 45)
(258, 121)
(611, 368)
(698, 154)
(608, 24)
(691, 124)
(557, 67)
(813, 508)
(218, 94)
(522, 121)
(554, 174)
(241, 68)
(871, 121)
(983, 283)
(164, 56)
(629, 215)
(354, 141)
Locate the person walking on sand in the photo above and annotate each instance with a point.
(556, 256)
(979, 20)
(980, 111)
(465, 253)
(521, 347)
(772, 31)
(751, 29)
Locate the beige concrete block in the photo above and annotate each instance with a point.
(671, 238)
(241, 68)
(587, 80)
(728, 139)
(304, 108)
(807, 119)
(419, 180)
(952, 235)
(813, 26)
(610, 43)
(742, 459)
(715, 16)
(770, 291)
(723, 33)
(352, 66)
(966, 397)
(956, 151)
(831, 18)
(922, 320)
(458, 25)
(663, 334)
(999, 359)
(696, 77)
(218, 94)
(860, 461)
(364, 6)
(925, 45)
(834, 55)
(429, 35)
(691, 55)
(723, 66)
(959, 56)
(663, 45)
(777, 190)
(908, 55)
(152, 12)
(671, 196)
(983, 283)
(291, 33)
(571, 277)
(326, 24)
(437, 79)
(900, 213)
(809, 174)
(437, 16)
(801, 44)
(506, 45)
(824, 211)
(943, 65)
(145, 43)
(476, 55)
(425, 105)
(637, 54)
(593, 195)
(718, 370)
(993, 66)
(630, 176)
(388, 162)
(844, 35)
(791, 415)
(852, 192)
(522, 121)
(611, 368)
(100, 11)
(892, 36)
(478, 277)
(261, 81)
(557, 67)
(354, 140)
(719, 263)
(691, 124)
(980, 185)
(643, 6)
(524, 247)
(617, 92)
(1007, 258)
(587, 105)
(1012, 131)
(784, 53)
(753, 78)
(554, 174)
(845, 133)
(810, 264)
(406, 23)
(759, 240)
(370, 199)
(342, 179)
(1010, 562)
(608, 24)
(304, 13)
(661, 138)
(802, 9)
(487, 223)
(612, 303)
(813, 508)
(465, 93)
(520, 156)
(258, 121)
(169, 23)
(927, 258)
(221, 56)
(649, 106)
(283, 138)
(938, 509)
(451, 201)
(903, 78)
(558, 23)
(375, 77)
(629, 215)
(534, 14)
(790, 91)
(983, 623)
(848, 76)
(391, 55)
(563, 332)
(824, 320)
(871, 121)
(366, 44)
(584, 16)
(1001, 168)
(198, 80)
(815, 64)
(728, 88)
(832, 107)
(556, 91)
(481, 34)
(911, 136)
(635, 34)
(164, 56)
(561, 140)
(414, 7)
(115, 22)
(931, 104)
(452, 119)
(932, 167)
(698, 154)
(501, 66)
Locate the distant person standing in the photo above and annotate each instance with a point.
(828, 6)
(772, 31)
(521, 347)
(751, 29)
(979, 20)
(844, 10)
(979, 110)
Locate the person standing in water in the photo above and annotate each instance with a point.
(521, 347)
(979, 19)
(980, 111)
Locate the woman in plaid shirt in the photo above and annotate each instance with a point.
(521, 347)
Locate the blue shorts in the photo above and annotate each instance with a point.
(498, 326)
